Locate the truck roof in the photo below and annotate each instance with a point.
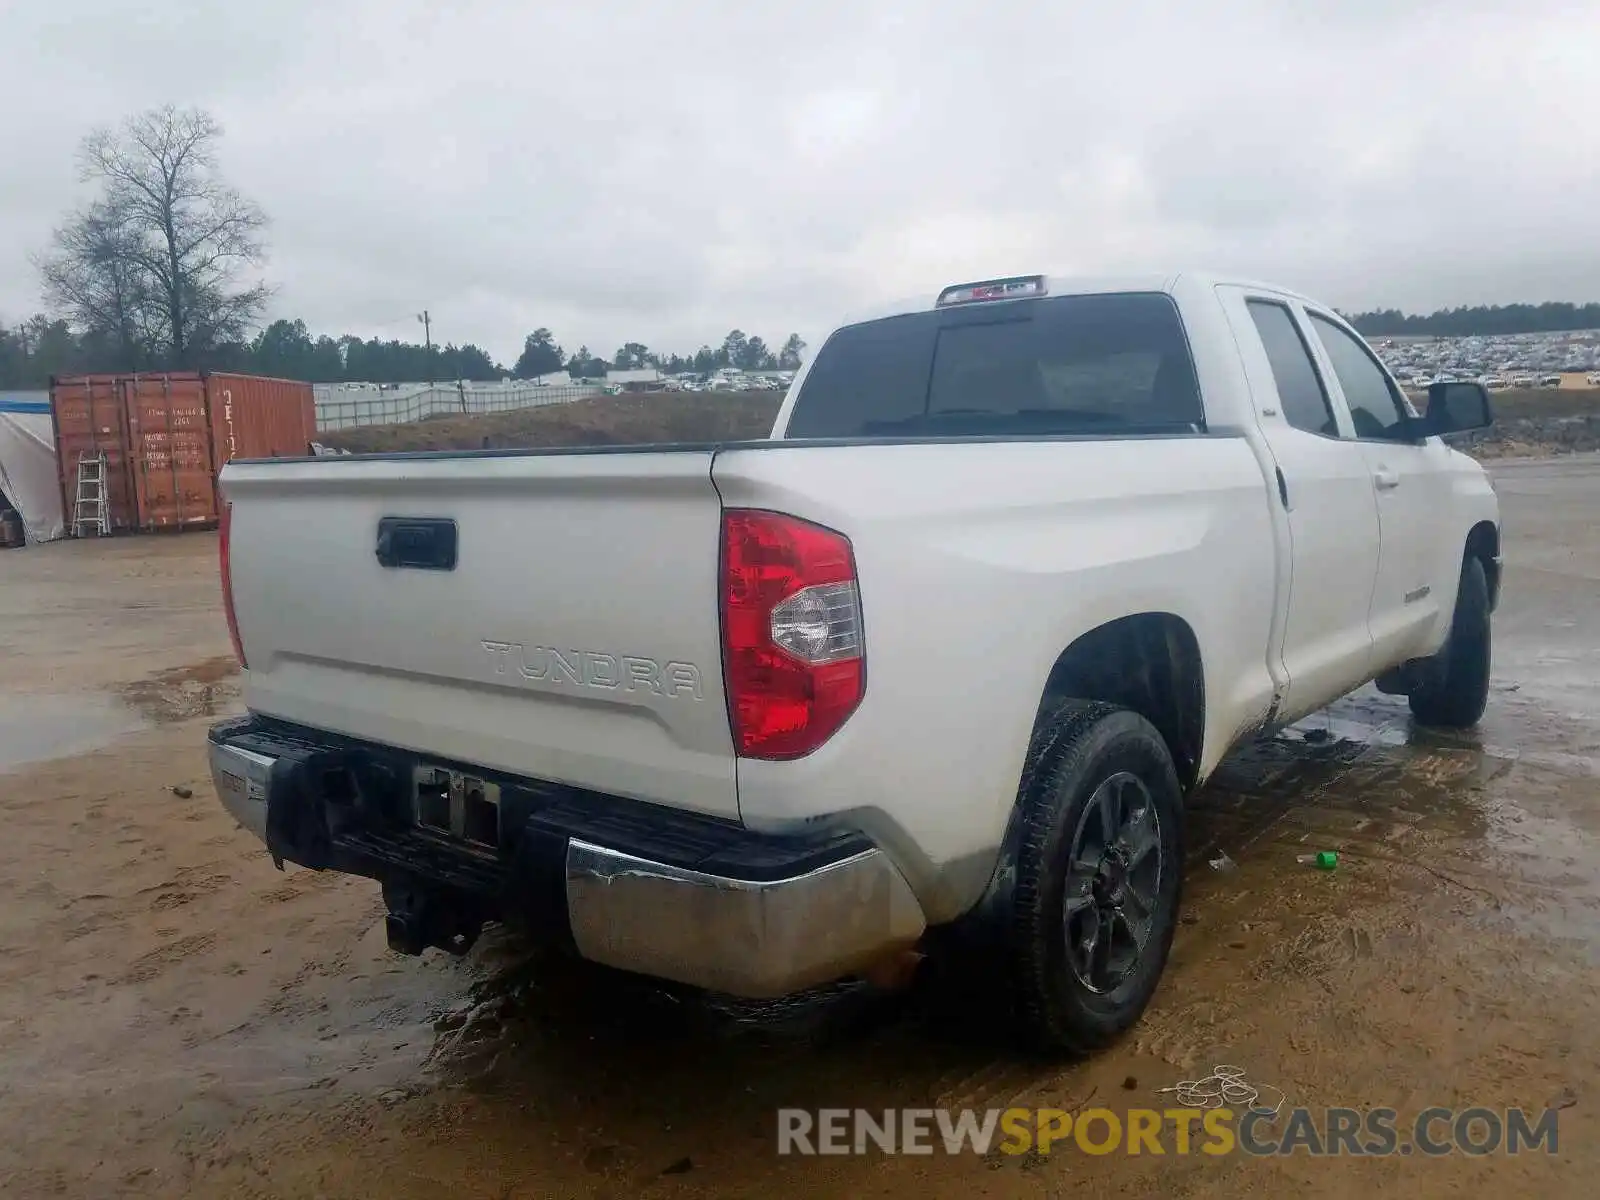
(1075, 285)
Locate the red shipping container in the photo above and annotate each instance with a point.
(254, 417)
(165, 436)
(90, 416)
(169, 451)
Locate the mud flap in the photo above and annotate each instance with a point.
(1414, 674)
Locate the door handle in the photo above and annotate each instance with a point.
(421, 543)
(1385, 479)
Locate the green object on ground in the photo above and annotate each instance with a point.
(1323, 860)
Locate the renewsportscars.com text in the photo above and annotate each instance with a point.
(1377, 1132)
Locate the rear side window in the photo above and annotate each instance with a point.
(1115, 364)
(1300, 391)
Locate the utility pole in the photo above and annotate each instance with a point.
(427, 341)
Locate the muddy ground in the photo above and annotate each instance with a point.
(179, 1018)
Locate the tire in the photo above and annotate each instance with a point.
(1084, 755)
(1456, 693)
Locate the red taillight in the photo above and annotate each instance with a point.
(793, 657)
(227, 582)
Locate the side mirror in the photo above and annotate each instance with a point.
(1455, 408)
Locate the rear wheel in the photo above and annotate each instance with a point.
(1099, 875)
(1455, 694)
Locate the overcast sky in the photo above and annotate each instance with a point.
(663, 172)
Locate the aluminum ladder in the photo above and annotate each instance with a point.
(91, 510)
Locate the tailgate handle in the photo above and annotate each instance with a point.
(422, 543)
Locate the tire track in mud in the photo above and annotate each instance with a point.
(152, 964)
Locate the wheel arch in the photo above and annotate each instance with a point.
(1148, 662)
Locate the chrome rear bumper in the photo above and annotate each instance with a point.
(242, 779)
(749, 939)
(754, 938)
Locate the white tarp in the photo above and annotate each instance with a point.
(28, 464)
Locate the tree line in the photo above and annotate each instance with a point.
(541, 355)
(1484, 320)
(30, 353)
(43, 346)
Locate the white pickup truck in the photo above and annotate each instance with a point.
(1019, 564)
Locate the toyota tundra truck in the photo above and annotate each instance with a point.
(1020, 562)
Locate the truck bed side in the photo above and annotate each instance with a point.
(979, 565)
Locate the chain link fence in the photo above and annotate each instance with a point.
(348, 409)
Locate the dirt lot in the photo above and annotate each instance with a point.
(178, 1018)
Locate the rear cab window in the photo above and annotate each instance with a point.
(1109, 365)
(1300, 392)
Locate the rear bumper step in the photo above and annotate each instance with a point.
(633, 886)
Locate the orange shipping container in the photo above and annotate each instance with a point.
(169, 451)
(253, 417)
(165, 437)
(90, 416)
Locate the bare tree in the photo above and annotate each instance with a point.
(92, 274)
(159, 256)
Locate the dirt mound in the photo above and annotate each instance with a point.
(1527, 422)
(1528, 436)
(1538, 422)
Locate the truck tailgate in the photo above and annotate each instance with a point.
(575, 638)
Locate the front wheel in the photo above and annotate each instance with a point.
(1455, 695)
(1099, 875)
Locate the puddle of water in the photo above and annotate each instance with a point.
(36, 728)
(201, 689)
(1479, 809)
